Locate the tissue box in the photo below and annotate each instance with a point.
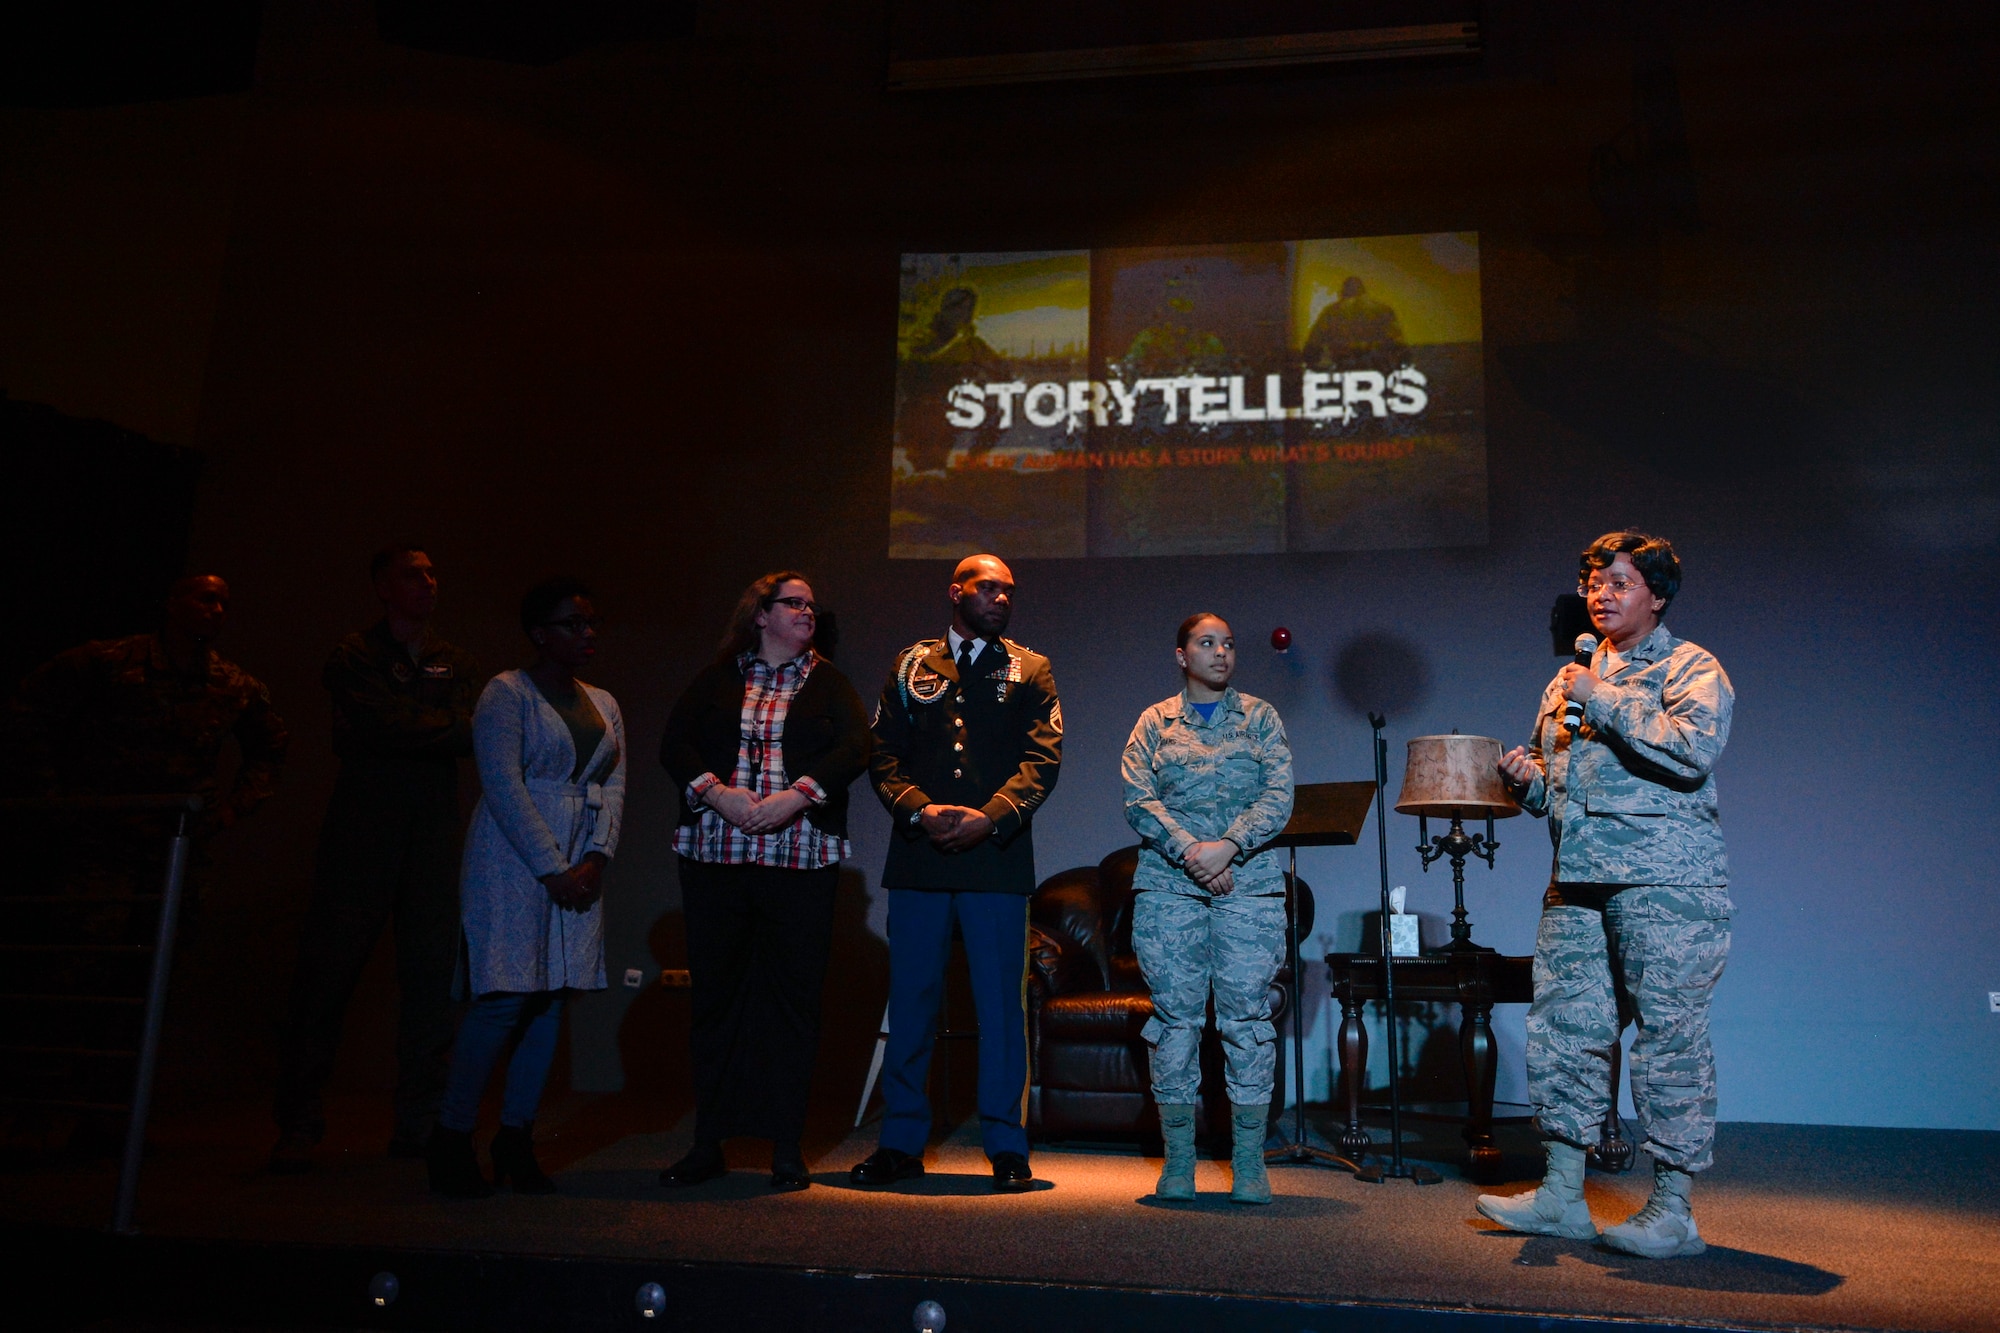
(1403, 934)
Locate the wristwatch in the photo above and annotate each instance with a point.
(917, 817)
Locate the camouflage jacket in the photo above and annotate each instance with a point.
(1630, 798)
(114, 718)
(1190, 781)
(390, 709)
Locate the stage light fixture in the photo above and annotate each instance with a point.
(384, 1288)
(651, 1301)
(928, 1317)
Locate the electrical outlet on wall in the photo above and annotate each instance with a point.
(1993, 1002)
(635, 977)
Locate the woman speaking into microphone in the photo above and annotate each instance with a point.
(1639, 889)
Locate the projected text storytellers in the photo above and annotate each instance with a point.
(1202, 400)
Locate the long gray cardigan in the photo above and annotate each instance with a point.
(533, 821)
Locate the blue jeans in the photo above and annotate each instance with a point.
(530, 1024)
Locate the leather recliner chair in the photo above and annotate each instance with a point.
(1087, 1003)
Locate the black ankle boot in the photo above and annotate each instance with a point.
(453, 1167)
(514, 1160)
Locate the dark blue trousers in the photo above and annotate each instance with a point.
(995, 928)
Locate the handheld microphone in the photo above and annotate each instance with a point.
(1586, 646)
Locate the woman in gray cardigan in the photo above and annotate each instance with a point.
(551, 756)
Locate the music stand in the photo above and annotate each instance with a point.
(1324, 814)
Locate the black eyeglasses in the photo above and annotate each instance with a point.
(576, 624)
(799, 604)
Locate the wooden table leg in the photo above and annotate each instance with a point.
(1354, 1140)
(1482, 1065)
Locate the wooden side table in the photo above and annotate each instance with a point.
(1475, 980)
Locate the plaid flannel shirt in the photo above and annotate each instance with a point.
(768, 692)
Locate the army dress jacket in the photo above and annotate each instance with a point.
(992, 742)
(1190, 781)
(1630, 798)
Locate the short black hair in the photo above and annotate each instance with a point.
(378, 564)
(1652, 556)
(540, 602)
(1187, 627)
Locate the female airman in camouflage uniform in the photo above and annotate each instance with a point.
(1638, 907)
(1208, 780)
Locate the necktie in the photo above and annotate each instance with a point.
(964, 660)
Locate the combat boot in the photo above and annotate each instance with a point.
(1664, 1228)
(1556, 1208)
(1177, 1173)
(1249, 1182)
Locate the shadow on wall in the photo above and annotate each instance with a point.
(1381, 673)
(653, 1038)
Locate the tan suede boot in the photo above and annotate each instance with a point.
(1249, 1182)
(1556, 1208)
(1664, 1228)
(1177, 1174)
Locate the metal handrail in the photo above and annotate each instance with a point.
(184, 807)
(174, 803)
(74, 899)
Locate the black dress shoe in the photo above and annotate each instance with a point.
(790, 1177)
(704, 1163)
(886, 1166)
(1011, 1173)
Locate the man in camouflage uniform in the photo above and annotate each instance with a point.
(1208, 781)
(143, 715)
(402, 720)
(148, 715)
(1638, 910)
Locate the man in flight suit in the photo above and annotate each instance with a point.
(402, 719)
(968, 738)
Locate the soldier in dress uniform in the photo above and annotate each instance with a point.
(1638, 908)
(968, 738)
(389, 849)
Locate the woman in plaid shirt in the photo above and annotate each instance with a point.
(762, 747)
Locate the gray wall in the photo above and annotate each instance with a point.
(630, 315)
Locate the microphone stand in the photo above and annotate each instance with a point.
(1395, 1168)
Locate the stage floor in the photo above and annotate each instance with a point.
(1821, 1227)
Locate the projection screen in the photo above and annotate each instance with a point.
(1320, 395)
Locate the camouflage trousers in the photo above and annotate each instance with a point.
(1188, 946)
(1606, 955)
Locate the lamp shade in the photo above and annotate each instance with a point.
(1455, 776)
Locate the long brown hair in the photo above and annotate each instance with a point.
(742, 635)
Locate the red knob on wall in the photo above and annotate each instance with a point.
(1281, 639)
